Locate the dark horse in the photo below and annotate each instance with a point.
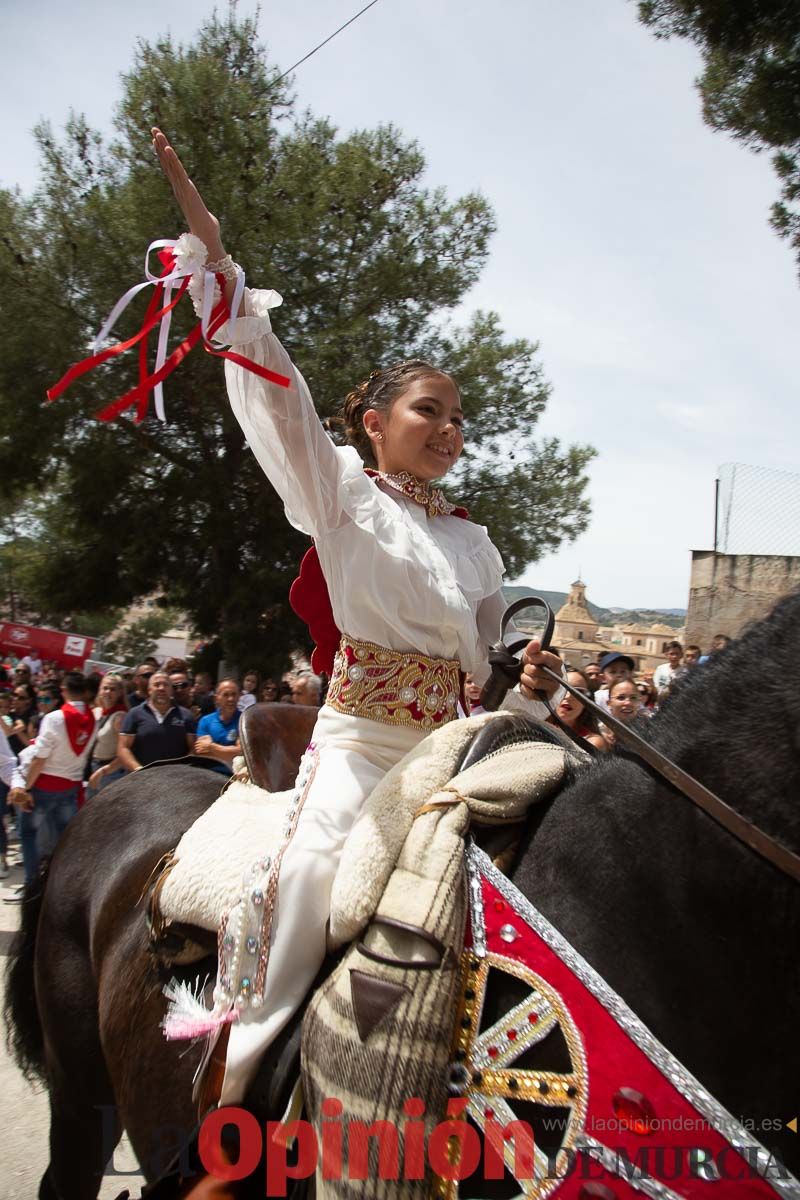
(696, 933)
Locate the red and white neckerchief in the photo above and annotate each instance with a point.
(181, 258)
(431, 498)
(79, 726)
(631, 1121)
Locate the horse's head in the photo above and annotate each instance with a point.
(695, 930)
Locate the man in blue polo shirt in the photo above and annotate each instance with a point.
(218, 732)
(157, 729)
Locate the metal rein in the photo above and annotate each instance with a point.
(506, 671)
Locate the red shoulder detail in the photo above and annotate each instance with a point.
(460, 512)
(310, 599)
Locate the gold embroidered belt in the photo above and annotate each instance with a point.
(393, 687)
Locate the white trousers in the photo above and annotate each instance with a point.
(353, 755)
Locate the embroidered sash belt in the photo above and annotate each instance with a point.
(393, 687)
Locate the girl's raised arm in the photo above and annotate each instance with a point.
(280, 424)
(201, 222)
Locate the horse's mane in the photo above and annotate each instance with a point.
(734, 723)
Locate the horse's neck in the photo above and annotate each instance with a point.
(681, 920)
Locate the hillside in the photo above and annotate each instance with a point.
(674, 617)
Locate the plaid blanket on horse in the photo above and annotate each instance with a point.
(377, 1034)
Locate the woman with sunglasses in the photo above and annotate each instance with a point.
(269, 691)
(48, 699)
(648, 695)
(575, 714)
(106, 767)
(23, 710)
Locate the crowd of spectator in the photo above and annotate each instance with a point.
(613, 684)
(65, 736)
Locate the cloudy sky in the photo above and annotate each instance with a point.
(633, 242)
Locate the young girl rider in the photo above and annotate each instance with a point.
(414, 588)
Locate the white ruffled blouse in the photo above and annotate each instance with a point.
(396, 577)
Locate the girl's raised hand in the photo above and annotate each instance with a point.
(201, 222)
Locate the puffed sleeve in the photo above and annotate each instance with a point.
(490, 613)
(281, 424)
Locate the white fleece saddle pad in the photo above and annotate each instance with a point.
(215, 856)
(216, 853)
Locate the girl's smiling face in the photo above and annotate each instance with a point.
(422, 431)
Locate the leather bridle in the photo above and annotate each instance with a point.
(506, 671)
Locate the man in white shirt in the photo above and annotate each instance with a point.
(47, 782)
(665, 675)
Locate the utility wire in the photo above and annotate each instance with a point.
(327, 39)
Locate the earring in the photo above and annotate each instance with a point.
(378, 437)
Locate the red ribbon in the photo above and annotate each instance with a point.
(155, 312)
(88, 364)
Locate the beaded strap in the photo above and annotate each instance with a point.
(244, 935)
(225, 267)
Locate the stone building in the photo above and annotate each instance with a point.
(575, 634)
(574, 622)
(579, 639)
(728, 591)
(647, 644)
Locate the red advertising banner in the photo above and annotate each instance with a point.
(68, 650)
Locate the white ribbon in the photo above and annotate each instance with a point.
(151, 279)
(161, 351)
(194, 255)
(209, 283)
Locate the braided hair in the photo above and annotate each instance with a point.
(379, 391)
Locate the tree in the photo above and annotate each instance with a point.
(26, 523)
(369, 260)
(139, 639)
(750, 86)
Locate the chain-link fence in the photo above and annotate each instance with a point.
(758, 511)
